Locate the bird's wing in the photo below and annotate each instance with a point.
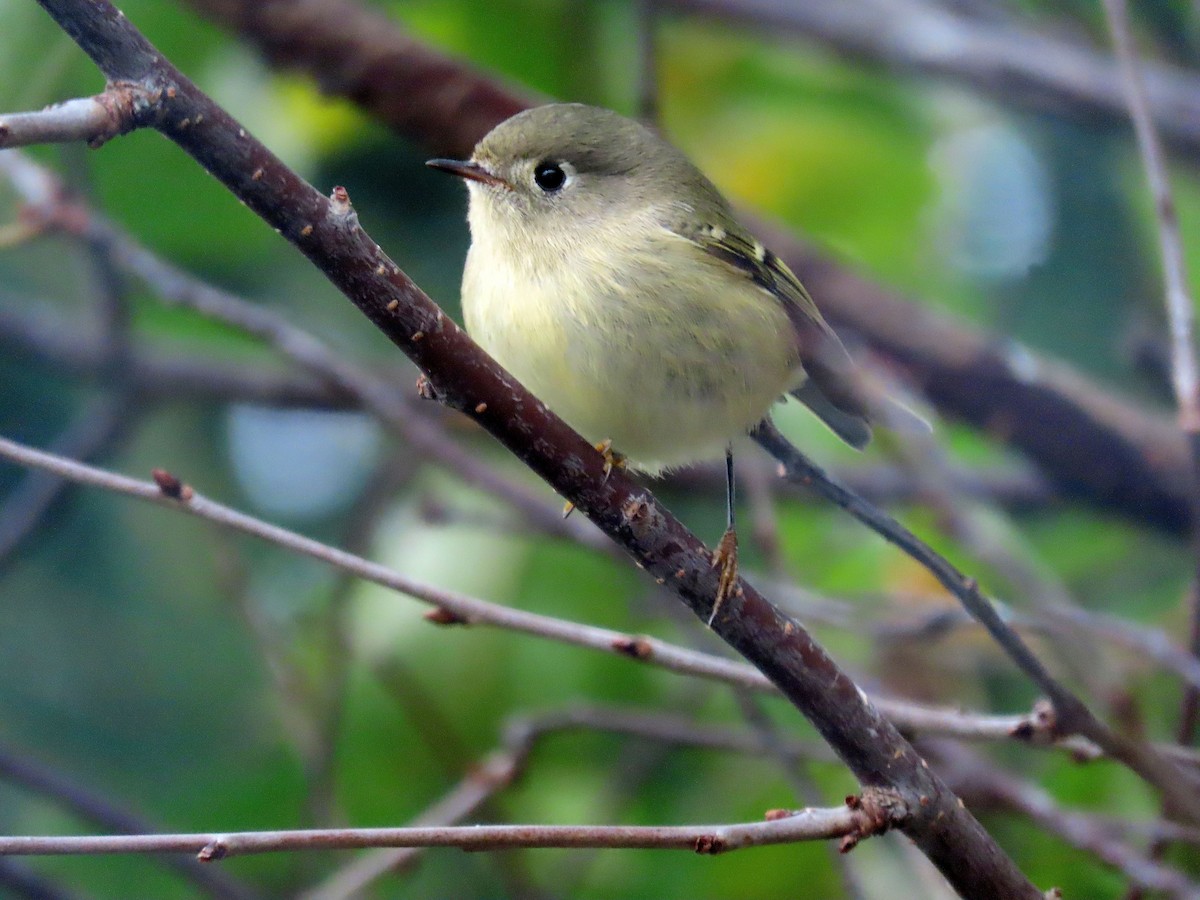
(822, 355)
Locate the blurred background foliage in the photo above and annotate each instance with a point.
(132, 647)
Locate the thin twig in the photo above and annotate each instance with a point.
(24, 882)
(647, 43)
(1071, 713)
(1185, 377)
(1018, 65)
(795, 771)
(803, 825)
(485, 779)
(97, 427)
(51, 342)
(90, 119)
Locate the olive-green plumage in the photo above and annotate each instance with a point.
(611, 277)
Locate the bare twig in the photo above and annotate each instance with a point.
(795, 771)
(375, 499)
(485, 779)
(1145, 643)
(28, 884)
(1184, 376)
(803, 825)
(647, 82)
(1016, 64)
(521, 734)
(155, 377)
(90, 119)
(759, 486)
(1089, 443)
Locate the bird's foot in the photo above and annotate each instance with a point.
(726, 557)
(612, 459)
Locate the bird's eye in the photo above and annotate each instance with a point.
(549, 176)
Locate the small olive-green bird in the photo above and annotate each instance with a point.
(614, 281)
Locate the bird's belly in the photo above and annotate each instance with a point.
(669, 380)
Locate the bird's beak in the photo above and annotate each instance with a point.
(469, 169)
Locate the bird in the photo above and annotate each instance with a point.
(612, 278)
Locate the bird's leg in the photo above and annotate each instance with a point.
(726, 552)
(612, 460)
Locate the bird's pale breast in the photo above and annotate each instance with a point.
(654, 345)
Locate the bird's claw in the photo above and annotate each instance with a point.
(612, 459)
(725, 556)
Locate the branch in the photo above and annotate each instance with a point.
(158, 377)
(100, 425)
(25, 882)
(804, 825)
(493, 774)
(1071, 713)
(522, 733)
(872, 813)
(91, 119)
(1143, 642)
(1178, 297)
